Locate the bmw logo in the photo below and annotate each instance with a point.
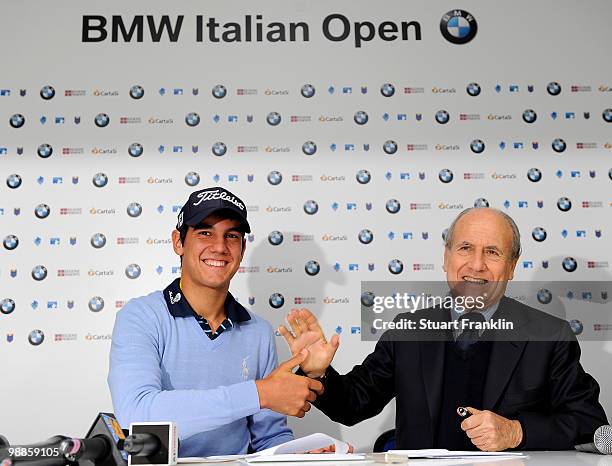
(564, 204)
(275, 238)
(445, 175)
(7, 305)
(47, 92)
(569, 264)
(17, 120)
(42, 211)
(390, 147)
(481, 202)
(39, 273)
(360, 117)
(273, 118)
(219, 149)
(544, 296)
(554, 88)
(312, 268)
(396, 266)
(98, 240)
(275, 178)
(96, 304)
(134, 209)
(473, 89)
(136, 92)
(559, 145)
(393, 206)
(387, 89)
(135, 149)
(607, 115)
(458, 26)
(100, 180)
(367, 299)
(101, 120)
(219, 91)
(36, 337)
(276, 300)
(309, 148)
(311, 207)
(538, 234)
(442, 117)
(576, 326)
(10, 242)
(529, 116)
(192, 179)
(534, 175)
(44, 151)
(133, 271)
(307, 91)
(192, 119)
(363, 177)
(477, 146)
(365, 236)
(14, 181)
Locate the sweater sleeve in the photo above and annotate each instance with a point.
(268, 428)
(135, 382)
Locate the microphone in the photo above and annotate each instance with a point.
(44, 453)
(142, 444)
(94, 449)
(602, 442)
(152, 443)
(102, 446)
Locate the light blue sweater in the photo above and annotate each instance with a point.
(164, 368)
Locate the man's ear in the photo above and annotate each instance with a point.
(445, 258)
(177, 244)
(244, 241)
(512, 268)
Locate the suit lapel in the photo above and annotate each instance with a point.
(432, 366)
(505, 354)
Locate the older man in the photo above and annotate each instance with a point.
(525, 390)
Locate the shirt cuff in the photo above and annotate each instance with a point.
(244, 398)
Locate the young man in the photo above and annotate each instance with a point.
(192, 354)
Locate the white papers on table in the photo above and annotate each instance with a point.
(304, 444)
(290, 457)
(294, 450)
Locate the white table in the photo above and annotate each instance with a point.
(535, 458)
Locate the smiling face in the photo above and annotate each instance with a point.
(211, 252)
(479, 260)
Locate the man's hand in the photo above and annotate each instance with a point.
(492, 432)
(307, 334)
(286, 393)
(331, 449)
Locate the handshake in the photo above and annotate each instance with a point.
(288, 393)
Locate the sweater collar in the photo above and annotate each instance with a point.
(178, 306)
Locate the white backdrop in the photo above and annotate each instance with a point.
(59, 385)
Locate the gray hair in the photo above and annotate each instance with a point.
(516, 235)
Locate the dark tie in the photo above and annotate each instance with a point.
(469, 335)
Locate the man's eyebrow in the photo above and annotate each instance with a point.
(205, 226)
(464, 243)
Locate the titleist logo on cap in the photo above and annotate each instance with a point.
(210, 195)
